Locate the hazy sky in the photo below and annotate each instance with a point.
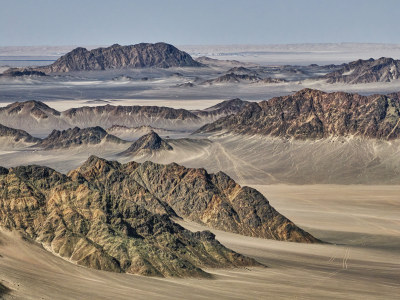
(183, 22)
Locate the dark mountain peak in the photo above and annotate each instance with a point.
(229, 103)
(148, 143)
(94, 167)
(78, 50)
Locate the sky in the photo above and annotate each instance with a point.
(197, 22)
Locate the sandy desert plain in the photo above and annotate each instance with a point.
(343, 190)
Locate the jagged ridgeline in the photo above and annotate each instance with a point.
(117, 217)
(143, 55)
(383, 69)
(313, 114)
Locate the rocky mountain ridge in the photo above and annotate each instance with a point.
(77, 220)
(75, 137)
(211, 199)
(116, 217)
(38, 118)
(366, 71)
(315, 114)
(17, 135)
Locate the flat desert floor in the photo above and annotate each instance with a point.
(362, 261)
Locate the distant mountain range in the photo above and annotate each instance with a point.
(143, 55)
(40, 119)
(366, 71)
(315, 114)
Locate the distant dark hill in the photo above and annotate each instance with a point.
(144, 55)
(148, 143)
(366, 71)
(76, 137)
(315, 114)
(223, 108)
(17, 135)
(16, 72)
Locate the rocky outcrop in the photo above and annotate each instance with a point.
(91, 224)
(144, 55)
(214, 200)
(233, 78)
(366, 71)
(77, 137)
(16, 72)
(242, 71)
(148, 143)
(316, 114)
(17, 135)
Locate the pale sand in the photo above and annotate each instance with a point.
(340, 214)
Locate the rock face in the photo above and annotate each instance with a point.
(365, 71)
(316, 114)
(76, 137)
(148, 143)
(17, 135)
(144, 55)
(92, 223)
